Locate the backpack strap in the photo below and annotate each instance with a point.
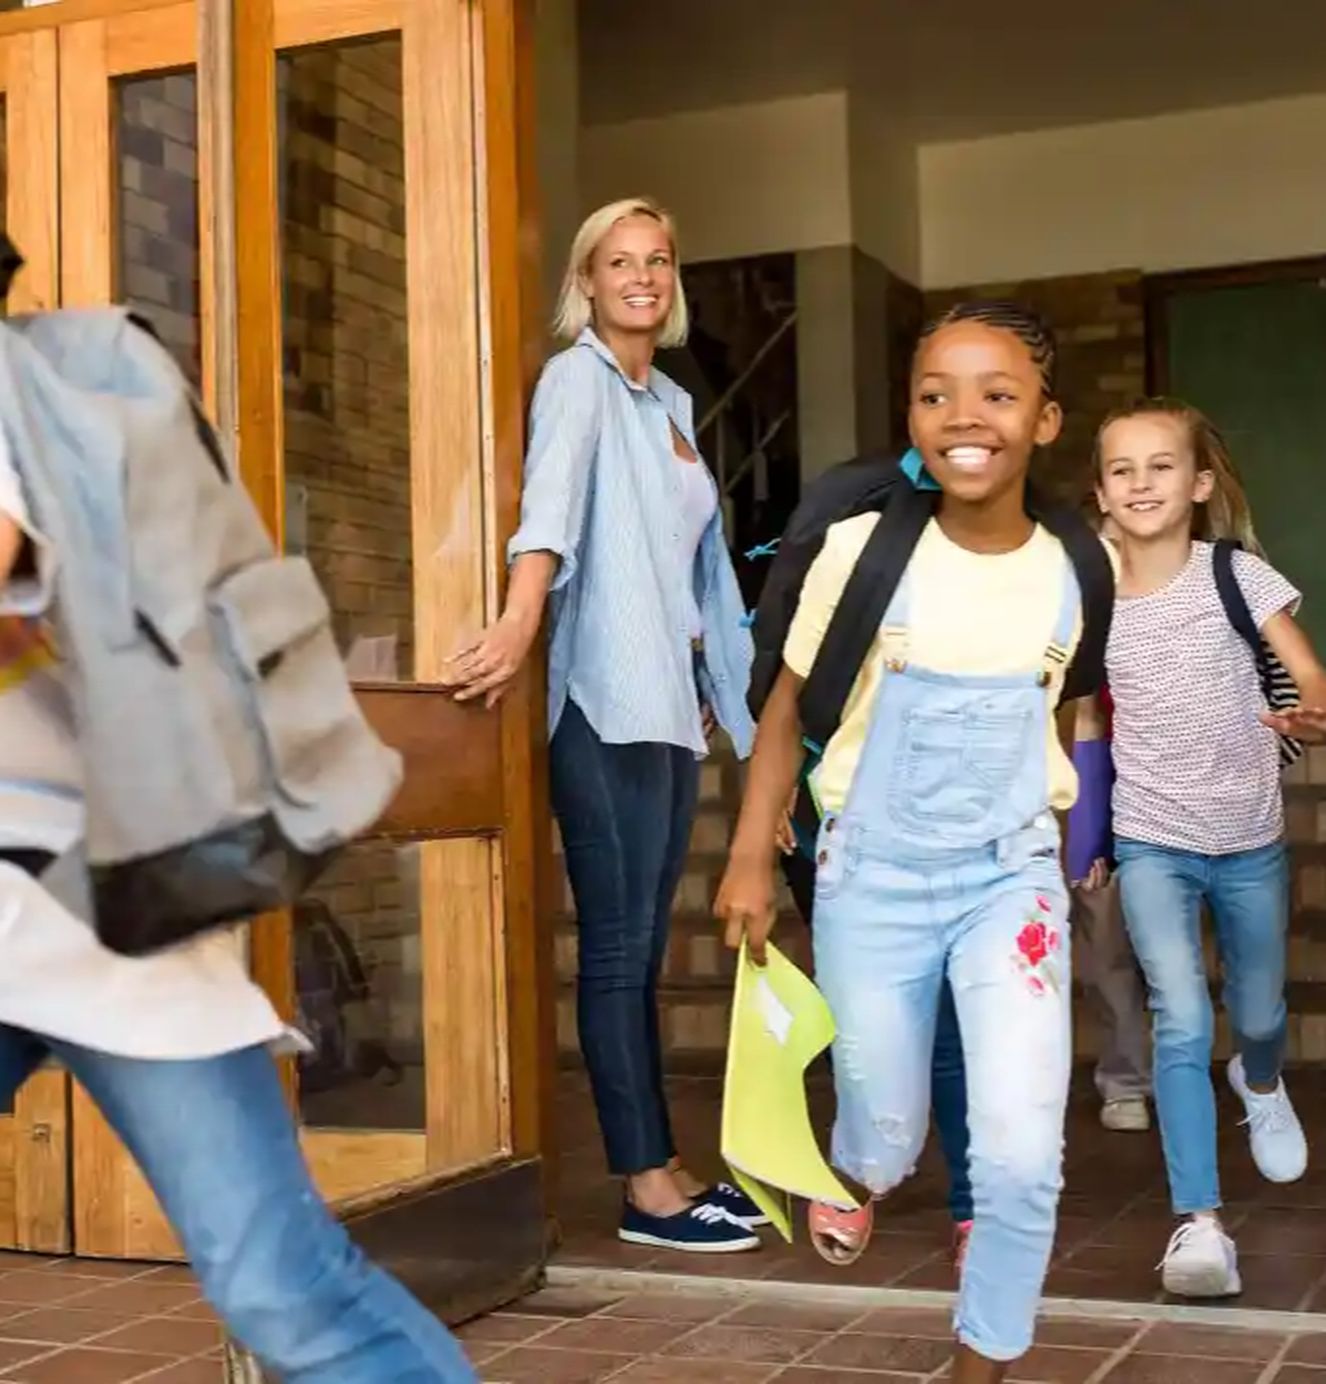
(1095, 581)
(1232, 598)
(861, 608)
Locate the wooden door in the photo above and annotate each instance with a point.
(380, 321)
(34, 1202)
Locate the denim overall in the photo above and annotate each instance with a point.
(947, 853)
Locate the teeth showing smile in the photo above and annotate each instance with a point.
(1143, 506)
(641, 302)
(969, 458)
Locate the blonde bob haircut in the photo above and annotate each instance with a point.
(575, 308)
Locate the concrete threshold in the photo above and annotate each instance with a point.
(610, 1280)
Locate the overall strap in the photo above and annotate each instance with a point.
(1061, 640)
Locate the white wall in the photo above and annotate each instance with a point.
(1232, 185)
(826, 348)
(885, 184)
(741, 180)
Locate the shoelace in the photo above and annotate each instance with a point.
(1181, 1236)
(708, 1214)
(1268, 1114)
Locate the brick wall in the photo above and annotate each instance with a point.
(1100, 322)
(157, 130)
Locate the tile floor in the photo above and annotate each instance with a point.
(1113, 1227)
(67, 1321)
(580, 1336)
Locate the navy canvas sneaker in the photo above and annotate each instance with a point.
(703, 1229)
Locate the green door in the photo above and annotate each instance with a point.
(1253, 358)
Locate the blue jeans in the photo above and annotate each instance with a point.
(625, 814)
(217, 1143)
(1248, 894)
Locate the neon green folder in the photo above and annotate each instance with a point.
(780, 1024)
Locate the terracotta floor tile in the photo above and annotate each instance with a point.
(83, 1365)
(42, 1287)
(1074, 1331)
(111, 1270)
(1058, 1365)
(61, 1325)
(533, 1365)
(199, 1310)
(670, 1307)
(1171, 1338)
(138, 1297)
(794, 1316)
(901, 1353)
(658, 1371)
(1303, 1350)
(614, 1334)
(568, 1302)
(1182, 1369)
(15, 1352)
(935, 1323)
(746, 1344)
(172, 1273)
(189, 1372)
(164, 1336)
(506, 1327)
(810, 1374)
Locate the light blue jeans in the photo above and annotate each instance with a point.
(1248, 894)
(217, 1143)
(998, 917)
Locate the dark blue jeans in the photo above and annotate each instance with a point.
(948, 1073)
(625, 814)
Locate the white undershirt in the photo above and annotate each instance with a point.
(699, 499)
(56, 979)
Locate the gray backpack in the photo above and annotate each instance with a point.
(225, 756)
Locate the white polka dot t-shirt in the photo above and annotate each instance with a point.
(1195, 769)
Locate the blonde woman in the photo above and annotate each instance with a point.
(621, 537)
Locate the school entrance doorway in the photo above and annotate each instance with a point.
(310, 199)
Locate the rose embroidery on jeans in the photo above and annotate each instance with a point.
(1038, 945)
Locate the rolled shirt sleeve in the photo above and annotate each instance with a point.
(1265, 590)
(564, 429)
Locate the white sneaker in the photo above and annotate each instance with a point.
(1200, 1261)
(1279, 1147)
(1126, 1115)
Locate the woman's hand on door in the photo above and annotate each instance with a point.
(487, 667)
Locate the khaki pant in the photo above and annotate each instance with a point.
(1115, 990)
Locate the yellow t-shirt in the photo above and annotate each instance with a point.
(971, 613)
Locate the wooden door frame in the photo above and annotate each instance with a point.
(34, 1139)
(506, 846)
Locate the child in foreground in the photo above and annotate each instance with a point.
(939, 847)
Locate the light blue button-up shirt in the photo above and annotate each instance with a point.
(603, 491)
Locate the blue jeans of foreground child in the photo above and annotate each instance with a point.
(217, 1143)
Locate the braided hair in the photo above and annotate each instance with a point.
(1029, 327)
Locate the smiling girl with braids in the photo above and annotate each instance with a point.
(939, 847)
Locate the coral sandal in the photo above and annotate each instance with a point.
(840, 1236)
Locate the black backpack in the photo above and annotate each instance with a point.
(893, 486)
(1278, 687)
